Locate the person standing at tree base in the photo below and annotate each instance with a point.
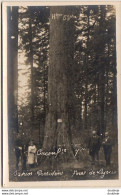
(18, 150)
(94, 146)
(24, 157)
(32, 156)
(107, 146)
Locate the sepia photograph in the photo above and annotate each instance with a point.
(62, 110)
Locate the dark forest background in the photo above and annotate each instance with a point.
(93, 71)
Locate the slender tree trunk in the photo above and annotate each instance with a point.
(12, 72)
(60, 98)
(12, 57)
(85, 107)
(107, 87)
(114, 112)
(87, 64)
(102, 104)
(44, 89)
(101, 86)
(31, 63)
(94, 109)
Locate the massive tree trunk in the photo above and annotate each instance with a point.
(60, 82)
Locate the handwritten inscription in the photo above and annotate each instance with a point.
(79, 173)
(47, 173)
(55, 154)
(40, 152)
(101, 173)
(63, 17)
(23, 174)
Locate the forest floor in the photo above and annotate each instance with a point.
(81, 169)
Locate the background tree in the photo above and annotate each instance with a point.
(34, 41)
(12, 65)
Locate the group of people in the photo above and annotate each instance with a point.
(95, 143)
(26, 154)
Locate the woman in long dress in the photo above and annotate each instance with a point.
(32, 156)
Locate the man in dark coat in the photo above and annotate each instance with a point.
(94, 146)
(107, 146)
(24, 157)
(18, 150)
